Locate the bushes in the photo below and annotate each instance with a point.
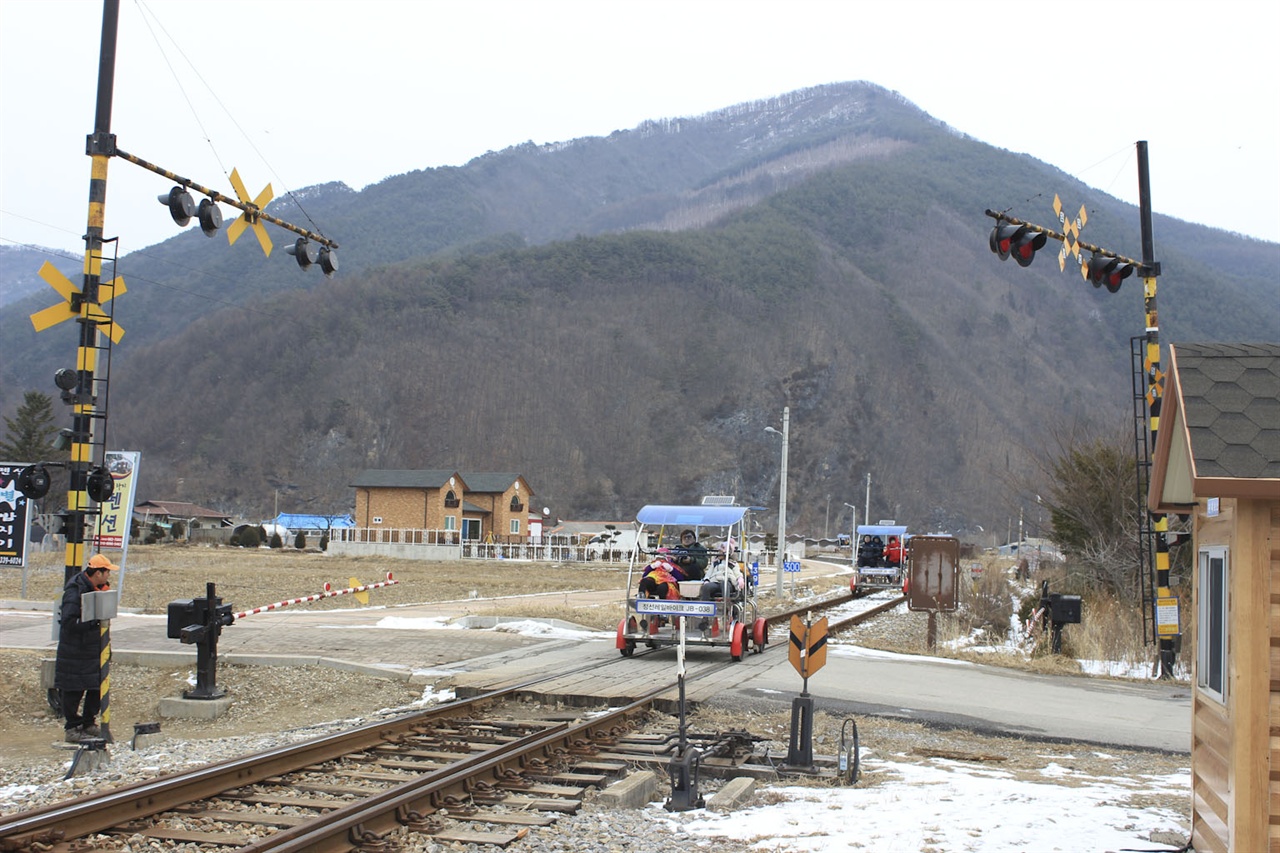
(300, 541)
(249, 536)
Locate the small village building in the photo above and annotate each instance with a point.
(1217, 458)
(165, 514)
(440, 508)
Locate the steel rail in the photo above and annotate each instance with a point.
(344, 829)
(94, 813)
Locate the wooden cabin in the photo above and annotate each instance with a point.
(1217, 458)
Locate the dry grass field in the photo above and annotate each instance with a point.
(154, 575)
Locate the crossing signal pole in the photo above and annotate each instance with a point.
(1012, 237)
(91, 306)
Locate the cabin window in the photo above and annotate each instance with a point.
(515, 527)
(450, 522)
(1211, 633)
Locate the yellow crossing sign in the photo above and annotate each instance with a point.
(1070, 235)
(55, 314)
(250, 218)
(808, 652)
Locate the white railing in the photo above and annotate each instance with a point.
(558, 550)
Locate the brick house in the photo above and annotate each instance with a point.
(1217, 457)
(475, 505)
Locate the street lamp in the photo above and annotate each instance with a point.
(853, 535)
(782, 492)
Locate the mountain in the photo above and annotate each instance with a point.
(619, 318)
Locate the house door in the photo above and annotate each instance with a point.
(470, 528)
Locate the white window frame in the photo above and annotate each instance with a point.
(515, 527)
(450, 522)
(1212, 611)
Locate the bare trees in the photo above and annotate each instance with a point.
(1094, 506)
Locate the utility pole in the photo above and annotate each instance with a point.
(782, 494)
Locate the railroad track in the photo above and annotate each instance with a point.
(874, 607)
(467, 772)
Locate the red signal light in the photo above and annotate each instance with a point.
(1108, 271)
(1020, 241)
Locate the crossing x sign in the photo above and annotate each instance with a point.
(55, 314)
(1070, 235)
(250, 218)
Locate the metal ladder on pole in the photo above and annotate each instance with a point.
(1142, 459)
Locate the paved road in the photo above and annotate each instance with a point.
(406, 642)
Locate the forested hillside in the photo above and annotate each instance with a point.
(620, 318)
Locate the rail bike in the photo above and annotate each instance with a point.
(717, 608)
(879, 556)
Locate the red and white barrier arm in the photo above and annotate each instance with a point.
(328, 593)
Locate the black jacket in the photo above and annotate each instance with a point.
(79, 643)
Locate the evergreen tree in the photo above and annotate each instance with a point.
(29, 434)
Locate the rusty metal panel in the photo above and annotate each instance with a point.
(934, 563)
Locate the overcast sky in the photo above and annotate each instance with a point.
(297, 93)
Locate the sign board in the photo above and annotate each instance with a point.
(15, 517)
(112, 528)
(791, 565)
(675, 607)
(808, 648)
(1167, 617)
(934, 564)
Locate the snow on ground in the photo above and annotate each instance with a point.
(948, 805)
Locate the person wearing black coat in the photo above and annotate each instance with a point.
(78, 670)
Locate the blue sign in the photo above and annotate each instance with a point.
(755, 573)
(791, 565)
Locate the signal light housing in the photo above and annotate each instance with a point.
(328, 260)
(210, 216)
(181, 206)
(34, 482)
(99, 484)
(304, 252)
(1019, 241)
(1111, 272)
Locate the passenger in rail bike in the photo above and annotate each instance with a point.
(78, 667)
(661, 579)
(724, 573)
(893, 552)
(690, 556)
(724, 576)
(866, 552)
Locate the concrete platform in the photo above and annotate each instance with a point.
(195, 709)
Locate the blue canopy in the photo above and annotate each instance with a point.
(298, 521)
(881, 529)
(692, 516)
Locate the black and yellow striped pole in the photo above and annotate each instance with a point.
(1165, 615)
(86, 417)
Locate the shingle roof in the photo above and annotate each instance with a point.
(1230, 397)
(401, 479)
(484, 481)
(179, 509)
(477, 482)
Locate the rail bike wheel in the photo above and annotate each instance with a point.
(624, 644)
(737, 641)
(760, 634)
